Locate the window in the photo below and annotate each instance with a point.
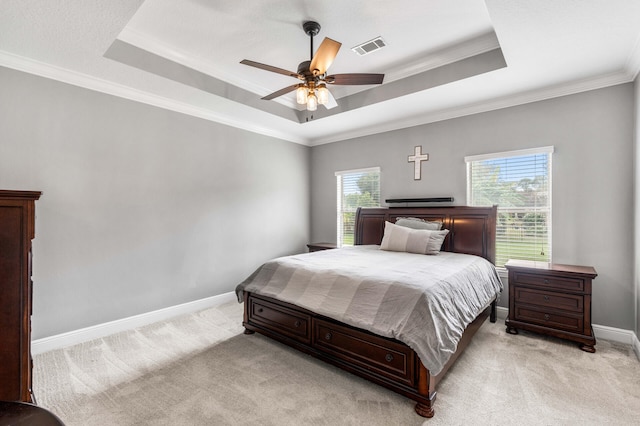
(356, 188)
(519, 183)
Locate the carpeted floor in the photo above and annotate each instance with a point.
(200, 369)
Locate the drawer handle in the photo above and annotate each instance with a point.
(546, 281)
(297, 324)
(546, 298)
(388, 357)
(260, 310)
(546, 317)
(328, 336)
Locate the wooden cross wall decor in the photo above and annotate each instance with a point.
(417, 158)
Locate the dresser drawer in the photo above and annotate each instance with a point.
(280, 319)
(383, 356)
(568, 322)
(550, 282)
(569, 302)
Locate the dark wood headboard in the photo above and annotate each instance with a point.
(472, 230)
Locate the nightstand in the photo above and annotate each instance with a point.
(551, 299)
(321, 246)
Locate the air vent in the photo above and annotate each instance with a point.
(369, 46)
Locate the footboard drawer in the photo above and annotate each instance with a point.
(280, 319)
(373, 353)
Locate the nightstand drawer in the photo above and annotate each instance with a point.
(551, 282)
(568, 322)
(569, 302)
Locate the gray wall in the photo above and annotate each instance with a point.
(142, 208)
(592, 178)
(636, 146)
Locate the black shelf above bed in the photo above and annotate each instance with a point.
(418, 200)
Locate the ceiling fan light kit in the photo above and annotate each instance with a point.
(313, 73)
(312, 95)
(312, 102)
(323, 94)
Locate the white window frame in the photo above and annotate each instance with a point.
(339, 193)
(547, 150)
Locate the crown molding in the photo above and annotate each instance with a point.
(74, 78)
(611, 79)
(157, 47)
(78, 79)
(435, 59)
(445, 56)
(632, 65)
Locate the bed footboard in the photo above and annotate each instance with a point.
(386, 362)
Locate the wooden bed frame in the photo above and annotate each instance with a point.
(381, 360)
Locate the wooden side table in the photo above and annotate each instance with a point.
(551, 299)
(321, 246)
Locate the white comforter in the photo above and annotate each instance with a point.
(425, 301)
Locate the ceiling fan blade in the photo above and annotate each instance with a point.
(269, 68)
(355, 79)
(324, 56)
(280, 92)
(331, 103)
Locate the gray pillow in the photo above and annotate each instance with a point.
(421, 241)
(415, 223)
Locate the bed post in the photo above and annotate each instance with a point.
(425, 409)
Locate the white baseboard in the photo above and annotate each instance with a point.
(502, 313)
(614, 334)
(601, 332)
(97, 331)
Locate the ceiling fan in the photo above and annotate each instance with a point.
(313, 73)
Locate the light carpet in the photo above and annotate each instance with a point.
(199, 369)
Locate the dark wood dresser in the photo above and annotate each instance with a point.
(551, 299)
(17, 229)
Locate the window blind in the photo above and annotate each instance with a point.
(519, 183)
(355, 188)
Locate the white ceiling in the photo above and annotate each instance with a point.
(184, 55)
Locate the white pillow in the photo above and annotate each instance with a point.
(417, 223)
(421, 241)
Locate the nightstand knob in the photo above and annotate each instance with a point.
(546, 298)
(546, 317)
(388, 358)
(260, 310)
(328, 336)
(546, 281)
(297, 324)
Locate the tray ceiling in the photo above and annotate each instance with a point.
(442, 59)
